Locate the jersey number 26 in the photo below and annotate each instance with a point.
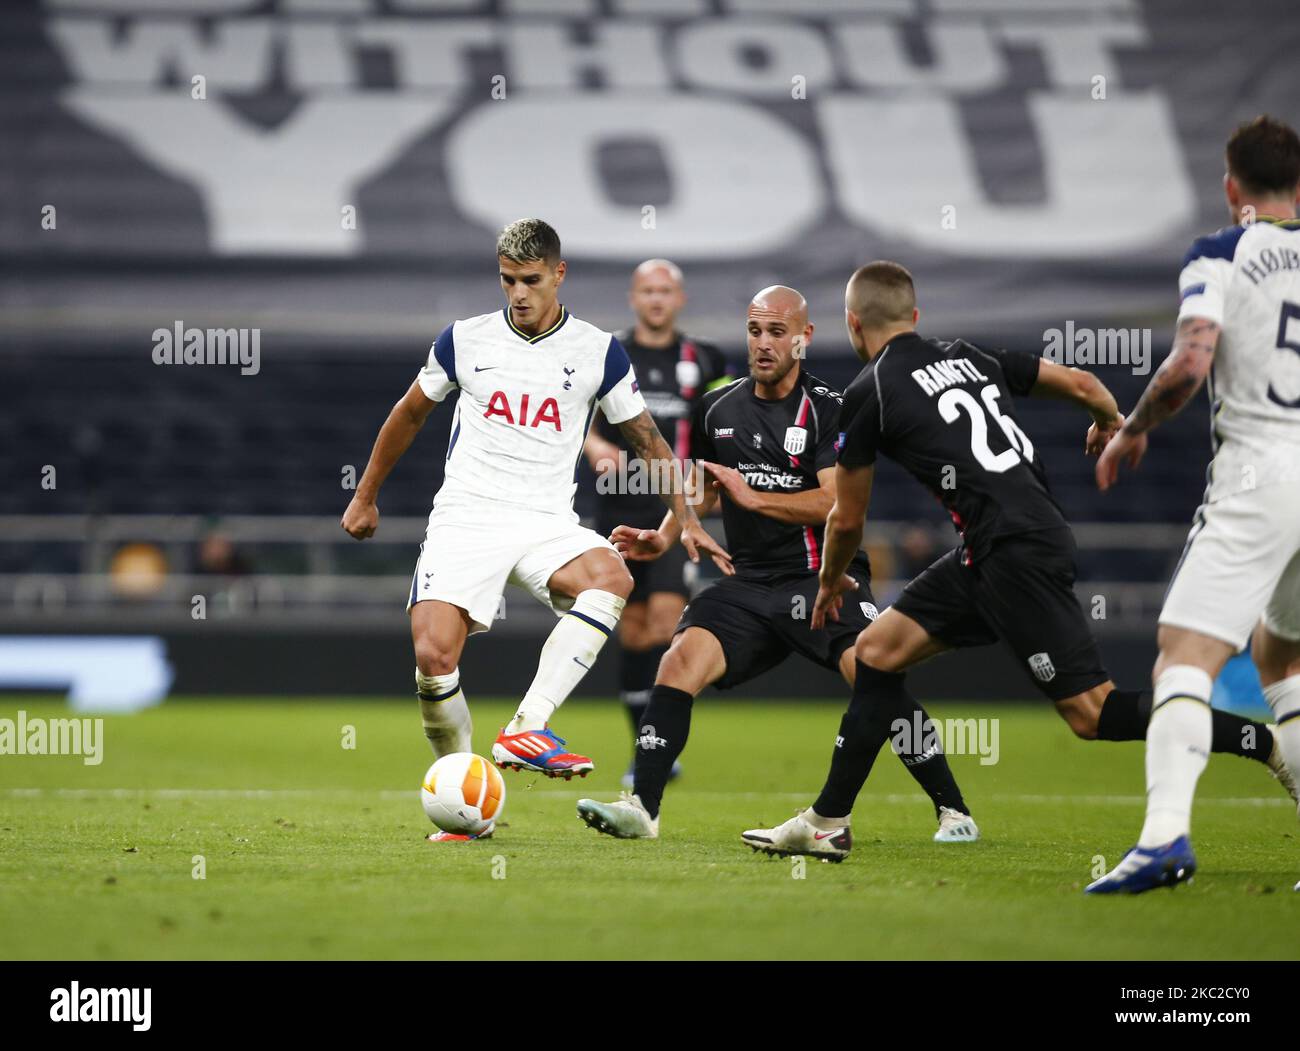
(952, 403)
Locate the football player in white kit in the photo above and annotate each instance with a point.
(1239, 577)
(530, 377)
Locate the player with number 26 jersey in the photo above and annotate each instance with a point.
(943, 411)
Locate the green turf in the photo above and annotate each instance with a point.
(316, 851)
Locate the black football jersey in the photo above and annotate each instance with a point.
(778, 446)
(943, 411)
(671, 380)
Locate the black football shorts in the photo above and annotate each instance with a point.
(760, 624)
(665, 573)
(1021, 592)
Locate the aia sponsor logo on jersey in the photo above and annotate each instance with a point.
(547, 413)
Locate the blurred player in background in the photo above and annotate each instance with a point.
(530, 376)
(1238, 581)
(769, 440)
(674, 371)
(944, 412)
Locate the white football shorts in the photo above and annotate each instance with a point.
(1241, 562)
(471, 551)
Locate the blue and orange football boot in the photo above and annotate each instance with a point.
(459, 837)
(540, 751)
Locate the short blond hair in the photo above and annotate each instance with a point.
(528, 240)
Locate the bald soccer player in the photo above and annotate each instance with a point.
(943, 411)
(767, 446)
(674, 371)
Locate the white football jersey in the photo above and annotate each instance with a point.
(1246, 279)
(525, 406)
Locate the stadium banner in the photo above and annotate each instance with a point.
(340, 168)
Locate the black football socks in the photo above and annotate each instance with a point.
(632, 685)
(660, 740)
(637, 673)
(878, 699)
(1125, 714)
(919, 747)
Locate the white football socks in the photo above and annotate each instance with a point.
(1284, 698)
(445, 714)
(824, 824)
(567, 656)
(1178, 747)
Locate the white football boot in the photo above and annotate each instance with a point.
(1283, 773)
(798, 836)
(956, 827)
(625, 818)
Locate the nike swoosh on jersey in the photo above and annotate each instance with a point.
(485, 368)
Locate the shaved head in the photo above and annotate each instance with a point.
(880, 294)
(650, 268)
(656, 296)
(779, 334)
(780, 301)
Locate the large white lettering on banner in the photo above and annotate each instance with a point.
(760, 126)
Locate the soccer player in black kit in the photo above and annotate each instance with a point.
(943, 411)
(674, 371)
(766, 444)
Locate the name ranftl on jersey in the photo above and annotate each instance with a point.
(548, 412)
(943, 374)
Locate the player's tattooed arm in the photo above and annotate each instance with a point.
(843, 539)
(1179, 377)
(1175, 384)
(646, 443)
(698, 489)
(361, 518)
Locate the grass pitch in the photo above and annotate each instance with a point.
(314, 851)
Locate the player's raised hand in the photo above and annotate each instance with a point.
(1123, 448)
(695, 538)
(638, 545)
(361, 519)
(829, 600)
(733, 483)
